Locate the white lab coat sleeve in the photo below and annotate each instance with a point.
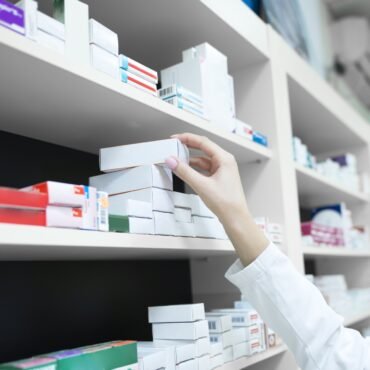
(296, 310)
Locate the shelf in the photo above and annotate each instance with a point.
(87, 110)
(356, 318)
(18, 243)
(334, 252)
(243, 363)
(316, 190)
(161, 36)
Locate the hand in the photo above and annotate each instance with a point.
(220, 188)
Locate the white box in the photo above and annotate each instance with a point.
(185, 350)
(198, 208)
(242, 317)
(182, 103)
(134, 179)
(245, 334)
(130, 207)
(182, 200)
(176, 313)
(103, 37)
(152, 359)
(89, 209)
(218, 323)
(185, 229)
(254, 346)
(176, 90)
(161, 200)
(276, 238)
(240, 350)
(134, 155)
(183, 214)
(138, 69)
(76, 21)
(138, 82)
(226, 338)
(170, 352)
(50, 42)
(67, 217)
(102, 218)
(51, 26)
(228, 354)
(216, 349)
(202, 346)
(216, 361)
(243, 129)
(60, 194)
(141, 225)
(182, 331)
(204, 363)
(209, 228)
(164, 223)
(30, 13)
(187, 365)
(103, 61)
(242, 305)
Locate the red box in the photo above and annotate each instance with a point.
(13, 198)
(22, 217)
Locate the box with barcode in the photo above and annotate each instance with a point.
(226, 338)
(242, 317)
(182, 331)
(218, 323)
(185, 105)
(179, 91)
(176, 313)
(102, 219)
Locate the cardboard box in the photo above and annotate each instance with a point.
(89, 209)
(161, 200)
(271, 338)
(153, 359)
(138, 82)
(185, 350)
(67, 217)
(240, 350)
(181, 331)
(228, 354)
(241, 317)
(204, 362)
(12, 17)
(170, 352)
(132, 225)
(103, 61)
(50, 42)
(242, 305)
(30, 12)
(245, 334)
(31, 364)
(164, 223)
(51, 26)
(22, 217)
(183, 214)
(14, 198)
(185, 229)
(179, 91)
(208, 228)
(188, 106)
(76, 21)
(134, 179)
(226, 338)
(216, 361)
(102, 218)
(132, 208)
(187, 365)
(259, 138)
(182, 200)
(216, 349)
(176, 313)
(253, 346)
(199, 208)
(103, 37)
(218, 323)
(60, 194)
(243, 129)
(138, 69)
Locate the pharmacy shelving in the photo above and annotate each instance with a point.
(42, 243)
(246, 362)
(315, 189)
(319, 252)
(87, 110)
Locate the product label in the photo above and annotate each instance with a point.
(12, 17)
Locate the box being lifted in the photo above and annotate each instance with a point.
(176, 313)
(154, 152)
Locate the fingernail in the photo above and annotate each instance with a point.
(172, 163)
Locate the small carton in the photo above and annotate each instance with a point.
(179, 91)
(35, 363)
(216, 348)
(183, 214)
(23, 217)
(50, 42)
(185, 105)
(132, 208)
(228, 354)
(103, 61)
(170, 352)
(51, 26)
(271, 338)
(243, 129)
(138, 69)
(199, 208)
(218, 323)
(259, 138)
(181, 331)
(204, 362)
(182, 200)
(208, 228)
(216, 361)
(134, 179)
(60, 194)
(152, 359)
(14, 198)
(187, 365)
(12, 17)
(103, 37)
(154, 152)
(185, 350)
(176, 313)
(242, 305)
(161, 200)
(89, 209)
(30, 11)
(132, 225)
(240, 350)
(102, 218)
(245, 334)
(226, 338)
(138, 82)
(253, 346)
(164, 223)
(245, 317)
(202, 346)
(184, 229)
(68, 217)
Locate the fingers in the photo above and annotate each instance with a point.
(202, 143)
(201, 163)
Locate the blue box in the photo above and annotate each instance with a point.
(260, 138)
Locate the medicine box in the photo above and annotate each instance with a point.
(179, 91)
(204, 362)
(243, 305)
(68, 217)
(138, 69)
(134, 179)
(60, 194)
(182, 331)
(51, 26)
(199, 208)
(161, 200)
(216, 361)
(153, 359)
(170, 352)
(216, 349)
(242, 317)
(184, 229)
(132, 208)
(253, 346)
(182, 200)
(243, 129)
(199, 347)
(14, 198)
(12, 17)
(187, 365)
(183, 214)
(132, 225)
(226, 338)
(30, 12)
(138, 82)
(259, 138)
(103, 61)
(102, 203)
(103, 37)
(176, 313)
(181, 103)
(228, 354)
(185, 350)
(50, 42)
(218, 323)
(31, 364)
(208, 228)
(245, 334)
(240, 350)
(153, 152)
(89, 209)
(22, 217)
(164, 223)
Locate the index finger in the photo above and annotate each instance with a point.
(202, 143)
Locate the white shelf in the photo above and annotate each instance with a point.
(315, 189)
(245, 362)
(51, 99)
(334, 252)
(356, 318)
(18, 243)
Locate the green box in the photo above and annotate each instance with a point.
(36, 363)
(119, 224)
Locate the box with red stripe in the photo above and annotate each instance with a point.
(140, 83)
(138, 69)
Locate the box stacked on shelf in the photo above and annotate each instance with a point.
(181, 325)
(273, 230)
(12, 17)
(246, 131)
(103, 49)
(138, 75)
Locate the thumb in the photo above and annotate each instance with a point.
(185, 172)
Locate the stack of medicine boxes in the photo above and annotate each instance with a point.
(138, 75)
(103, 49)
(272, 230)
(180, 324)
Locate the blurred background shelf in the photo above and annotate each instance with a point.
(334, 252)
